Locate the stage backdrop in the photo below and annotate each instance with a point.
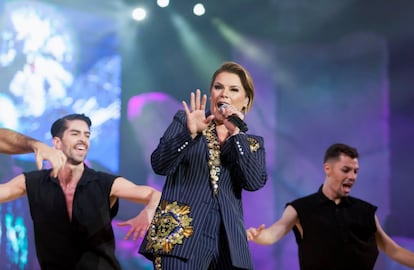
(53, 61)
(328, 93)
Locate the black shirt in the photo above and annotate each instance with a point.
(87, 241)
(335, 237)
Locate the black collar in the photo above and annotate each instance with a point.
(323, 199)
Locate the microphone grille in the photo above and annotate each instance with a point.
(222, 106)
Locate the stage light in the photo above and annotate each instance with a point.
(199, 9)
(203, 56)
(139, 14)
(163, 3)
(242, 43)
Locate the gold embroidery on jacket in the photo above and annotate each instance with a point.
(254, 144)
(171, 224)
(214, 155)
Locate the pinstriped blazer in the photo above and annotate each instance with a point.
(185, 163)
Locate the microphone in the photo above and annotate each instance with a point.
(235, 119)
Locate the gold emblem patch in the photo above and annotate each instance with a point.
(171, 224)
(254, 144)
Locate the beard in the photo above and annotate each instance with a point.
(75, 160)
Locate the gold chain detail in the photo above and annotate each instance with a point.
(157, 262)
(214, 155)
